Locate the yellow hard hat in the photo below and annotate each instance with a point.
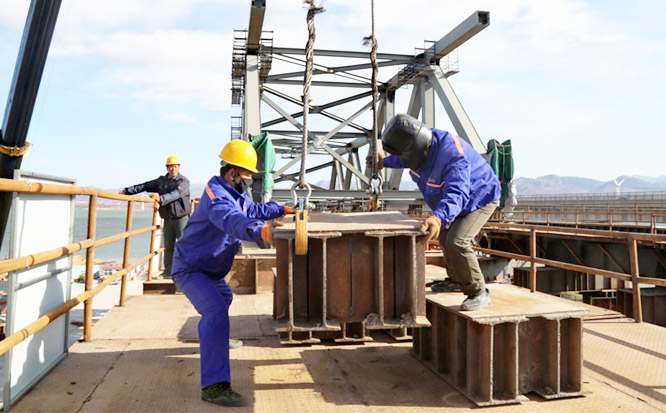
(173, 160)
(240, 153)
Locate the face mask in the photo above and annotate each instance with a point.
(243, 185)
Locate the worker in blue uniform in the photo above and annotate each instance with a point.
(205, 252)
(461, 189)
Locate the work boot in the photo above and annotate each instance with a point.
(221, 393)
(233, 343)
(476, 302)
(446, 286)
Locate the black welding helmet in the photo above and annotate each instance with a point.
(408, 138)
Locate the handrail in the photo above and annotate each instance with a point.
(26, 261)
(89, 244)
(10, 185)
(46, 319)
(631, 238)
(639, 236)
(629, 215)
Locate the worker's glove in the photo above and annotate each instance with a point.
(380, 160)
(268, 231)
(289, 210)
(431, 226)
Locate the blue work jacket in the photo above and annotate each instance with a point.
(214, 232)
(454, 180)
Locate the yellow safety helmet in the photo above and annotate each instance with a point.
(240, 153)
(172, 160)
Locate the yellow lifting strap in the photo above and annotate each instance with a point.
(301, 232)
(301, 218)
(15, 151)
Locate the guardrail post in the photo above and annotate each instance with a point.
(152, 243)
(90, 268)
(126, 253)
(636, 213)
(533, 268)
(633, 258)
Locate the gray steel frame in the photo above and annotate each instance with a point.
(422, 71)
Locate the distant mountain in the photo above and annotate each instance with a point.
(554, 184)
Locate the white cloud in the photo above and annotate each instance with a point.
(178, 117)
(13, 14)
(162, 66)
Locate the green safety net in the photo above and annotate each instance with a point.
(264, 147)
(500, 159)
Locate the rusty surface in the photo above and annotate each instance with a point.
(145, 358)
(362, 272)
(556, 280)
(653, 304)
(523, 343)
(600, 298)
(251, 274)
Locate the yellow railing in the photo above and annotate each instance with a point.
(630, 238)
(89, 244)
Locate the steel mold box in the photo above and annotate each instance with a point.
(362, 271)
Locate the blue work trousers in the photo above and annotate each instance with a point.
(212, 300)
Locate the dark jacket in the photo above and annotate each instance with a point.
(213, 235)
(174, 194)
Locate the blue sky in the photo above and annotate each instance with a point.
(576, 85)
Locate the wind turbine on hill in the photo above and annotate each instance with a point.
(617, 188)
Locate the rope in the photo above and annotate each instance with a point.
(15, 151)
(309, 52)
(372, 41)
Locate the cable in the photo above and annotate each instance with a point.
(307, 80)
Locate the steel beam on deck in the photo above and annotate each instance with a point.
(351, 280)
(37, 34)
(498, 356)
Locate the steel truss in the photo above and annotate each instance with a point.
(340, 144)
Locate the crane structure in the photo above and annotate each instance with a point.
(255, 83)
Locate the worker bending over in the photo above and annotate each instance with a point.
(460, 188)
(204, 254)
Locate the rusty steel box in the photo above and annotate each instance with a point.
(523, 342)
(361, 271)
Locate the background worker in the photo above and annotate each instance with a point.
(173, 190)
(460, 188)
(204, 254)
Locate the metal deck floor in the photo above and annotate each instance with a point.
(145, 358)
